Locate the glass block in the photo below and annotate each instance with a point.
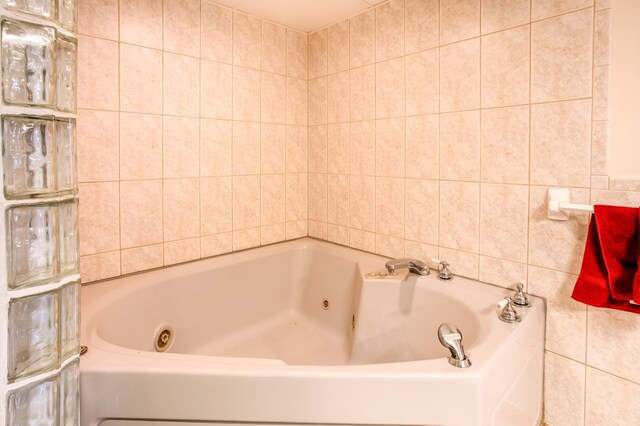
(67, 14)
(34, 405)
(70, 320)
(31, 244)
(70, 395)
(66, 58)
(33, 335)
(69, 240)
(27, 153)
(27, 64)
(45, 8)
(66, 155)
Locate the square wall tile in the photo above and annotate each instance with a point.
(181, 206)
(140, 213)
(98, 18)
(500, 15)
(362, 30)
(181, 147)
(182, 27)
(460, 262)
(97, 149)
(422, 82)
(389, 246)
(460, 146)
(338, 98)
(318, 189)
(390, 147)
(216, 205)
(140, 79)
(141, 22)
(504, 139)
(296, 196)
(338, 200)
(100, 266)
(422, 202)
(563, 313)
(611, 342)
(459, 20)
(561, 57)
(362, 202)
(338, 234)
(504, 220)
(297, 54)
(505, 68)
(246, 94)
(459, 215)
(274, 48)
(602, 38)
(246, 207)
(390, 88)
(297, 108)
(214, 245)
(215, 147)
(362, 148)
(272, 233)
(556, 244)
(181, 251)
(246, 238)
(609, 397)
(181, 86)
(318, 45)
(246, 148)
(561, 143)
(99, 217)
(338, 148)
(541, 9)
(142, 258)
(216, 90)
(140, 146)
(362, 240)
(273, 98)
(423, 147)
(362, 82)
(564, 389)
(422, 25)
(390, 206)
(272, 148)
(217, 33)
(502, 272)
(247, 35)
(272, 199)
(338, 47)
(318, 149)
(460, 76)
(318, 92)
(97, 74)
(296, 149)
(390, 30)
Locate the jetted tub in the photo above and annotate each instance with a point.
(297, 333)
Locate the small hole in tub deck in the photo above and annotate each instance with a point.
(325, 304)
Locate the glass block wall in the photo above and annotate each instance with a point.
(39, 272)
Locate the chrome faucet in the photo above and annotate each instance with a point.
(451, 338)
(414, 265)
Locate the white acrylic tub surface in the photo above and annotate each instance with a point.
(254, 344)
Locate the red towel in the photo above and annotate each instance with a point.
(636, 281)
(610, 263)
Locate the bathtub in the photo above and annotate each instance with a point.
(302, 333)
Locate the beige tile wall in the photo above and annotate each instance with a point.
(434, 127)
(192, 133)
(435, 130)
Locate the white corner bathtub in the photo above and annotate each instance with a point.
(255, 342)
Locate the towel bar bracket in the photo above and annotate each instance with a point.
(559, 204)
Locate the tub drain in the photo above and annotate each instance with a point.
(163, 338)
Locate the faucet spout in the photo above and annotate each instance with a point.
(414, 265)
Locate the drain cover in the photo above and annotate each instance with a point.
(163, 338)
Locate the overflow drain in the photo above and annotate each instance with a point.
(163, 338)
(325, 304)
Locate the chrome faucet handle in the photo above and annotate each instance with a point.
(520, 299)
(508, 314)
(413, 265)
(444, 273)
(451, 338)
